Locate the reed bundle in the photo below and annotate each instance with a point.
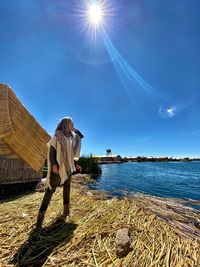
(87, 237)
(20, 131)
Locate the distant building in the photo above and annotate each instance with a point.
(110, 158)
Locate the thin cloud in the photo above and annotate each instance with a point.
(170, 112)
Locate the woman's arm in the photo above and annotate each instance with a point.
(53, 161)
(77, 143)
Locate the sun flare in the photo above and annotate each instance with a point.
(95, 14)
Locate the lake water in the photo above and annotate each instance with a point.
(165, 179)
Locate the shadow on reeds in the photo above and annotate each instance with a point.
(10, 192)
(40, 244)
(13, 197)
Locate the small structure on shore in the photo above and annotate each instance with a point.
(104, 159)
(22, 141)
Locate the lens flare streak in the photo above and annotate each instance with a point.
(98, 16)
(129, 77)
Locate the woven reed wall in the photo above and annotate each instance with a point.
(5, 150)
(21, 131)
(16, 170)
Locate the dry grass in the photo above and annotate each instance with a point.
(87, 238)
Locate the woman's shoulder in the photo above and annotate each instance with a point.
(53, 141)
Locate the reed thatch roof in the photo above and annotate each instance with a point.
(20, 132)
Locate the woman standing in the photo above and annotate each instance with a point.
(63, 149)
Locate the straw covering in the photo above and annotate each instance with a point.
(20, 133)
(88, 237)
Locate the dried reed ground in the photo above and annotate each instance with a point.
(87, 237)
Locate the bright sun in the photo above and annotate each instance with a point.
(95, 14)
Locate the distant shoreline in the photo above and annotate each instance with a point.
(148, 160)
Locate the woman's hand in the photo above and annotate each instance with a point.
(78, 168)
(55, 169)
(78, 133)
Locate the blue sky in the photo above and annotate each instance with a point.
(57, 69)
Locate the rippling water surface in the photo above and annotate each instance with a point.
(165, 179)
